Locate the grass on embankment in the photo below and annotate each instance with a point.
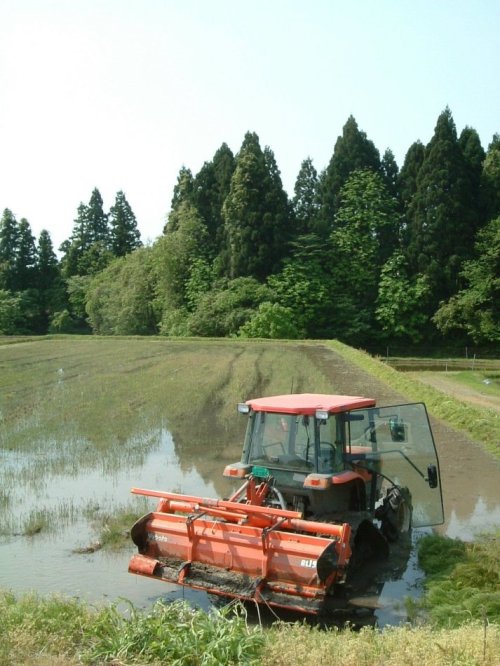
(54, 631)
(481, 424)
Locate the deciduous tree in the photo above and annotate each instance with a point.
(304, 287)
(271, 320)
(401, 301)
(119, 300)
(366, 232)
(476, 309)
(176, 258)
(228, 307)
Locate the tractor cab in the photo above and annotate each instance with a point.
(328, 454)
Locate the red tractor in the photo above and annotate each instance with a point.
(328, 483)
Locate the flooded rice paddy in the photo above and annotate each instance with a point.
(83, 421)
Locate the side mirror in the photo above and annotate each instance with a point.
(397, 429)
(432, 476)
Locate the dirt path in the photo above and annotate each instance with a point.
(447, 384)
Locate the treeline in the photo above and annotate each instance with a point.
(364, 251)
(39, 293)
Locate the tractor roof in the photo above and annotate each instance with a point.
(308, 403)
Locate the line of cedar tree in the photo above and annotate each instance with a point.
(364, 252)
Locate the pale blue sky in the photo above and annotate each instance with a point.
(120, 94)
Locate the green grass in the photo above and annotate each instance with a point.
(37, 630)
(5, 499)
(462, 579)
(113, 529)
(75, 404)
(487, 382)
(40, 519)
(55, 631)
(35, 523)
(91, 388)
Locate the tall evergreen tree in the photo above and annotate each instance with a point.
(9, 249)
(353, 151)
(96, 221)
(26, 259)
(440, 234)
(474, 156)
(88, 249)
(407, 178)
(52, 294)
(183, 191)
(256, 215)
(491, 178)
(278, 210)
(390, 172)
(125, 236)
(210, 188)
(47, 264)
(306, 199)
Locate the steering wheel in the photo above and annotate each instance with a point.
(271, 445)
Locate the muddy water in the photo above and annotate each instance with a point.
(46, 561)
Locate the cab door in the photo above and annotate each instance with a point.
(397, 445)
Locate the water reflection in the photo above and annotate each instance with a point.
(46, 562)
(482, 519)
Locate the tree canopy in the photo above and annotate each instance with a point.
(363, 251)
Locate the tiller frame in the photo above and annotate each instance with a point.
(240, 548)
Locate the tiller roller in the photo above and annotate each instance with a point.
(237, 549)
